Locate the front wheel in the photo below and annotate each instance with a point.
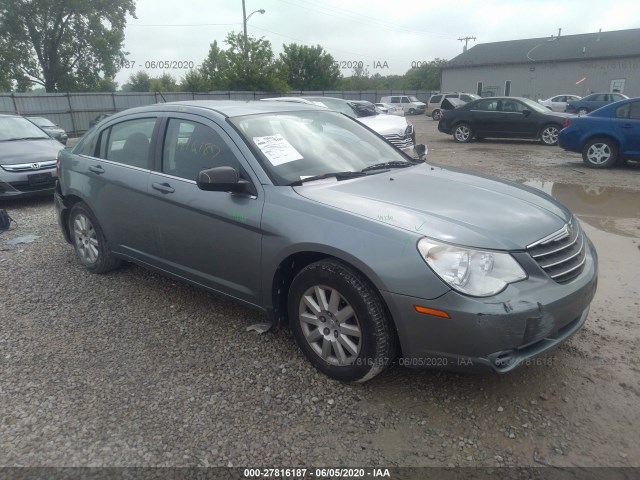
(600, 153)
(549, 135)
(89, 241)
(339, 322)
(435, 115)
(462, 133)
(412, 111)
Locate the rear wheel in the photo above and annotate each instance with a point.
(435, 115)
(89, 241)
(600, 153)
(462, 133)
(339, 322)
(549, 135)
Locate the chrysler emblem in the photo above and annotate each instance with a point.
(35, 166)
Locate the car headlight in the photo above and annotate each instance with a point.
(479, 273)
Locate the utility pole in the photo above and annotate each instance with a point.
(244, 22)
(246, 17)
(463, 39)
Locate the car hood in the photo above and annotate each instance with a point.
(385, 124)
(447, 205)
(29, 151)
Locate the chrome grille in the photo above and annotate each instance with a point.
(398, 141)
(562, 254)
(28, 167)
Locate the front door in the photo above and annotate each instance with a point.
(211, 238)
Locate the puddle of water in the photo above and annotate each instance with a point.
(608, 209)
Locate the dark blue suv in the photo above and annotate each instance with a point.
(606, 135)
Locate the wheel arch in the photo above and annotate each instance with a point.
(293, 263)
(603, 135)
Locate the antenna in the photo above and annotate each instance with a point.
(466, 41)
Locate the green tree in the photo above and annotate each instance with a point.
(60, 43)
(310, 68)
(138, 82)
(425, 77)
(195, 81)
(251, 66)
(164, 83)
(213, 68)
(359, 79)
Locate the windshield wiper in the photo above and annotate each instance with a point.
(337, 175)
(393, 164)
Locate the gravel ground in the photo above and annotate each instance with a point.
(134, 369)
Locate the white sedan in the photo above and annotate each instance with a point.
(558, 103)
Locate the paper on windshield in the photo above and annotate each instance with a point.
(277, 150)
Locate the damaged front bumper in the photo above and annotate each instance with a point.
(498, 333)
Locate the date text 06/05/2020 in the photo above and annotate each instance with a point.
(316, 472)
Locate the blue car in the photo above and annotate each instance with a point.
(593, 102)
(606, 135)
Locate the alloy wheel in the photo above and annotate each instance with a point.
(86, 238)
(329, 325)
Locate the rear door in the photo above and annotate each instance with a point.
(210, 238)
(114, 184)
(626, 121)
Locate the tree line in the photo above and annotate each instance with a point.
(77, 45)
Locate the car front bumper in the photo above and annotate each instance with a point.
(498, 333)
(19, 185)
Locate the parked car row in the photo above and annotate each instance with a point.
(605, 137)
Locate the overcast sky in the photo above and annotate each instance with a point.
(388, 36)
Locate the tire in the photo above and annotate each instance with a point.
(462, 133)
(339, 322)
(549, 135)
(412, 111)
(582, 111)
(600, 153)
(89, 241)
(435, 115)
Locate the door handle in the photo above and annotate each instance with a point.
(96, 169)
(163, 187)
(626, 125)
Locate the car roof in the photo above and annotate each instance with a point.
(227, 108)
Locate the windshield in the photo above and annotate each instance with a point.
(335, 104)
(15, 128)
(535, 106)
(292, 146)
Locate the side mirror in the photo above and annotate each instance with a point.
(223, 179)
(526, 113)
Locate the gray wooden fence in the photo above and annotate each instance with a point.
(74, 111)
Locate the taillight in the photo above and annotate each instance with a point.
(566, 122)
(58, 165)
(441, 114)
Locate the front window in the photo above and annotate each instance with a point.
(413, 98)
(17, 128)
(292, 146)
